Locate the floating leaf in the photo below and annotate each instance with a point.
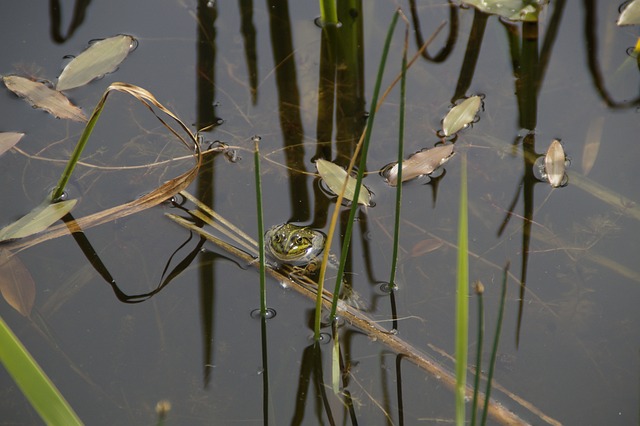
(16, 284)
(461, 115)
(37, 219)
(631, 14)
(592, 144)
(8, 140)
(514, 10)
(41, 96)
(334, 177)
(554, 163)
(426, 246)
(419, 164)
(100, 58)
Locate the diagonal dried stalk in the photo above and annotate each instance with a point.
(358, 319)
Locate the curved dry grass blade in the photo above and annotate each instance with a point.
(37, 220)
(460, 116)
(41, 96)
(16, 283)
(334, 176)
(8, 140)
(153, 198)
(97, 60)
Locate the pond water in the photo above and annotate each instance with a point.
(569, 342)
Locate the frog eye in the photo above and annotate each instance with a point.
(299, 241)
(278, 238)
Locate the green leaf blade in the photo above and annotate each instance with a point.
(100, 58)
(37, 220)
(460, 116)
(33, 382)
(334, 176)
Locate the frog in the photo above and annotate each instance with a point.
(295, 245)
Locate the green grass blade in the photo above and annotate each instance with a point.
(354, 206)
(77, 151)
(261, 254)
(328, 12)
(396, 228)
(496, 341)
(462, 295)
(42, 394)
(479, 289)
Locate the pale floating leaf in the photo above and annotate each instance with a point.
(41, 96)
(100, 58)
(426, 246)
(631, 14)
(514, 10)
(38, 219)
(334, 176)
(16, 283)
(8, 140)
(592, 144)
(460, 116)
(419, 164)
(554, 163)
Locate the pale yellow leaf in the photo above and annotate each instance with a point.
(554, 163)
(101, 58)
(334, 176)
(460, 116)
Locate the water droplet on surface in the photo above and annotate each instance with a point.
(270, 313)
(387, 288)
(324, 338)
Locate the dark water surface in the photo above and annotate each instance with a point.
(195, 343)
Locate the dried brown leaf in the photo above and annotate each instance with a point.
(8, 140)
(41, 96)
(16, 283)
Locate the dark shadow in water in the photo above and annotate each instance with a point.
(311, 368)
(452, 37)
(471, 55)
(590, 27)
(207, 14)
(248, 31)
(55, 15)
(289, 107)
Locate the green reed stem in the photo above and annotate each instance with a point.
(396, 229)
(462, 295)
(77, 151)
(479, 288)
(261, 254)
(41, 393)
(328, 13)
(496, 341)
(354, 205)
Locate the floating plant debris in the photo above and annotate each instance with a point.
(100, 58)
(460, 116)
(421, 163)
(334, 176)
(41, 96)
